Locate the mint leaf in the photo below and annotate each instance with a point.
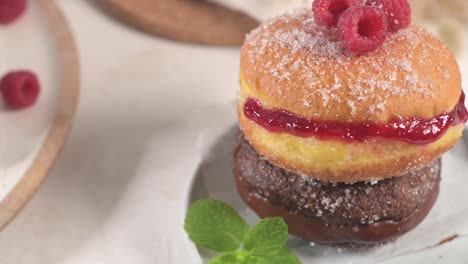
(239, 256)
(283, 256)
(266, 243)
(215, 225)
(226, 258)
(267, 236)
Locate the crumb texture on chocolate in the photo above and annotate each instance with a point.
(344, 204)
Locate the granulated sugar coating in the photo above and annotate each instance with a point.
(300, 66)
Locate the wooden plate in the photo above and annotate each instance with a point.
(40, 41)
(192, 21)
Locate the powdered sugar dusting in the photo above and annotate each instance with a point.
(293, 46)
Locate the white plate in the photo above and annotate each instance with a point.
(23, 132)
(214, 179)
(31, 138)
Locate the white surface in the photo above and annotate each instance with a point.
(22, 132)
(134, 88)
(263, 9)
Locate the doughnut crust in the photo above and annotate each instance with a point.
(292, 63)
(361, 213)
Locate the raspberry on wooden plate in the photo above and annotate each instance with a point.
(10, 10)
(20, 89)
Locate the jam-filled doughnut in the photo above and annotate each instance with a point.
(345, 143)
(295, 74)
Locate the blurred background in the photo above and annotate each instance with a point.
(200, 22)
(145, 66)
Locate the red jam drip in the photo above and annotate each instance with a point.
(411, 130)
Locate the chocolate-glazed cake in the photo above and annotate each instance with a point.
(335, 213)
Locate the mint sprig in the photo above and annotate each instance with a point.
(217, 226)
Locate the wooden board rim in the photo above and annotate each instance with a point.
(192, 21)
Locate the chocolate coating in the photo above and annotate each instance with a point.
(335, 213)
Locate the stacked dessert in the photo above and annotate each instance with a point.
(344, 114)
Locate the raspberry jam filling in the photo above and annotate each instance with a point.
(411, 130)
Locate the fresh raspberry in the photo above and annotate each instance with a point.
(10, 10)
(363, 28)
(398, 12)
(20, 89)
(327, 12)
